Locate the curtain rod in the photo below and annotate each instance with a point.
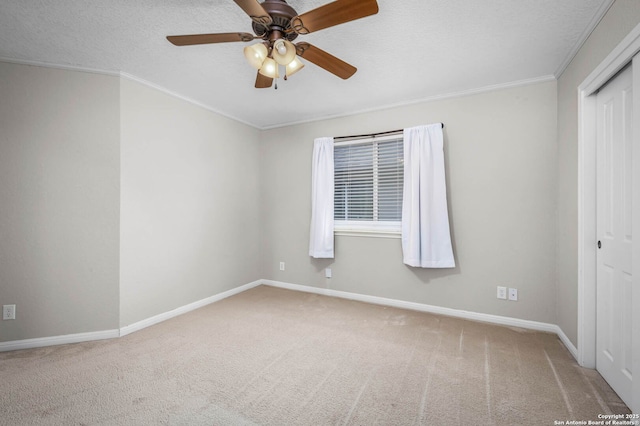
(371, 135)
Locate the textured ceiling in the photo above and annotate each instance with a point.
(410, 50)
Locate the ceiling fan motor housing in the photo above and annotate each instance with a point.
(281, 14)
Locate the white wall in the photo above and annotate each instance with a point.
(189, 206)
(500, 150)
(621, 18)
(59, 201)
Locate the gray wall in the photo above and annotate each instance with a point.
(621, 18)
(92, 238)
(189, 206)
(59, 201)
(500, 150)
(117, 202)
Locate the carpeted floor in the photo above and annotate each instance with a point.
(278, 357)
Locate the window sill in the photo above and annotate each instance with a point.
(367, 233)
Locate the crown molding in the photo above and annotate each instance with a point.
(131, 77)
(184, 98)
(125, 76)
(445, 96)
(604, 8)
(59, 66)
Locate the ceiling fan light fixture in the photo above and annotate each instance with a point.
(256, 55)
(283, 51)
(269, 68)
(277, 24)
(294, 66)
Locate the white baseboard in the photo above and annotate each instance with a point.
(109, 334)
(184, 309)
(564, 339)
(475, 316)
(41, 342)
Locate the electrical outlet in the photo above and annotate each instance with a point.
(513, 294)
(8, 312)
(502, 293)
(327, 273)
(282, 266)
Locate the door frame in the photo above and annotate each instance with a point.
(621, 56)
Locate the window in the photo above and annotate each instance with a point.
(368, 186)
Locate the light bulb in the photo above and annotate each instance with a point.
(280, 47)
(283, 51)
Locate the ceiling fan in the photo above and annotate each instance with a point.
(277, 24)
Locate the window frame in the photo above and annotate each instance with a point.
(366, 228)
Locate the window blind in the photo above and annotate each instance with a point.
(368, 180)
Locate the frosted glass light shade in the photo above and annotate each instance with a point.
(294, 66)
(256, 55)
(269, 68)
(283, 51)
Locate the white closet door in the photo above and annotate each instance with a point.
(614, 358)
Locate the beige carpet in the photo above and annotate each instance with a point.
(278, 357)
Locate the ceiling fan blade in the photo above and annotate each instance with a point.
(255, 11)
(334, 13)
(263, 82)
(325, 60)
(188, 40)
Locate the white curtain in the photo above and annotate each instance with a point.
(426, 239)
(321, 238)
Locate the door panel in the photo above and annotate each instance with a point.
(614, 218)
